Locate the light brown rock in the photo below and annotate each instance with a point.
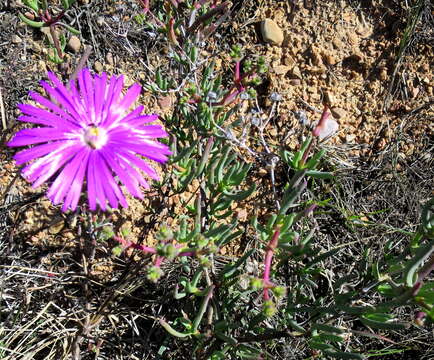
(281, 69)
(338, 113)
(329, 98)
(98, 66)
(109, 58)
(74, 44)
(295, 82)
(16, 39)
(271, 32)
(350, 138)
(329, 59)
(337, 43)
(295, 73)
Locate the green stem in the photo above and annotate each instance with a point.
(203, 308)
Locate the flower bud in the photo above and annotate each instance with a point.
(268, 308)
(279, 291)
(170, 251)
(256, 284)
(154, 273)
(164, 234)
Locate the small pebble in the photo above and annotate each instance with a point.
(350, 138)
(275, 97)
(74, 44)
(16, 39)
(98, 67)
(281, 69)
(271, 32)
(338, 113)
(295, 82)
(295, 73)
(109, 58)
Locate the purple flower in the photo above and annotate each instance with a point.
(88, 136)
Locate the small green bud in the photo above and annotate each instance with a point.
(256, 81)
(170, 251)
(202, 107)
(164, 234)
(247, 66)
(192, 89)
(268, 308)
(201, 241)
(252, 93)
(256, 284)
(236, 52)
(154, 273)
(205, 261)
(106, 233)
(262, 69)
(117, 250)
(213, 249)
(139, 19)
(125, 231)
(279, 291)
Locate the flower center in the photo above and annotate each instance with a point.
(95, 137)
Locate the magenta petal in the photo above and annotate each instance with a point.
(132, 115)
(111, 183)
(129, 98)
(37, 152)
(91, 191)
(62, 185)
(100, 86)
(42, 169)
(67, 119)
(96, 180)
(139, 163)
(142, 119)
(152, 150)
(101, 168)
(74, 192)
(112, 97)
(129, 181)
(61, 94)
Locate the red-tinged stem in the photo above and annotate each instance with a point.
(230, 97)
(426, 269)
(146, 9)
(307, 152)
(423, 273)
(56, 40)
(202, 19)
(322, 122)
(237, 74)
(172, 35)
(50, 21)
(305, 212)
(158, 261)
(187, 253)
(129, 244)
(272, 245)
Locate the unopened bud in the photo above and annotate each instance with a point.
(256, 284)
(268, 308)
(154, 273)
(164, 234)
(279, 291)
(170, 251)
